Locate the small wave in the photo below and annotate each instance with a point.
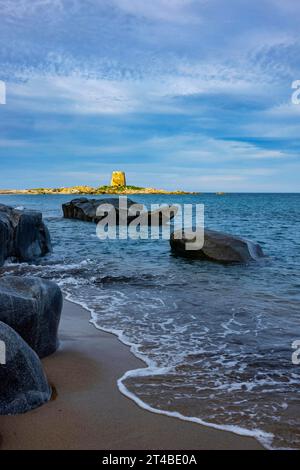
(135, 280)
(151, 369)
(53, 266)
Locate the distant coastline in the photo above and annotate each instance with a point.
(80, 190)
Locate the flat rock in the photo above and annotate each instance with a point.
(32, 307)
(218, 246)
(23, 384)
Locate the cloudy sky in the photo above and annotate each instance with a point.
(190, 94)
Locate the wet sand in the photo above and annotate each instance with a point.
(89, 412)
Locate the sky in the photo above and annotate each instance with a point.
(180, 94)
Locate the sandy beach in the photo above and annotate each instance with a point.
(89, 412)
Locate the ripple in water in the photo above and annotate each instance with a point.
(217, 340)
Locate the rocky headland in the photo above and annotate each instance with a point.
(89, 190)
(118, 185)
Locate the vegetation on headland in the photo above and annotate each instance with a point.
(89, 190)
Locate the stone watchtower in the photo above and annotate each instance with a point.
(118, 178)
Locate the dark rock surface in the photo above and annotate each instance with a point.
(23, 234)
(218, 246)
(6, 237)
(23, 384)
(32, 307)
(86, 210)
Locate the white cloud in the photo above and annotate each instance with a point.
(278, 122)
(179, 11)
(22, 8)
(288, 6)
(194, 148)
(74, 95)
(284, 110)
(206, 64)
(173, 11)
(84, 92)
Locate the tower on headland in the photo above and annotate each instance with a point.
(118, 178)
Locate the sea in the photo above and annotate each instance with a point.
(217, 341)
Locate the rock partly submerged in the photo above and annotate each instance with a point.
(32, 307)
(219, 247)
(23, 384)
(88, 210)
(23, 234)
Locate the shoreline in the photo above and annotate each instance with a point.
(126, 192)
(88, 410)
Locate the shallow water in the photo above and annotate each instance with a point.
(217, 339)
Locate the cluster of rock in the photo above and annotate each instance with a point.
(30, 310)
(219, 247)
(87, 210)
(23, 234)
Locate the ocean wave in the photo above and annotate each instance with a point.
(151, 369)
(215, 340)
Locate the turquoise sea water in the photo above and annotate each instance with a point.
(217, 339)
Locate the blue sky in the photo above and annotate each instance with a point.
(189, 94)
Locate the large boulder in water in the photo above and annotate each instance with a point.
(218, 246)
(23, 234)
(88, 210)
(23, 384)
(32, 306)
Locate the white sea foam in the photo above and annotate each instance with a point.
(220, 330)
(265, 438)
